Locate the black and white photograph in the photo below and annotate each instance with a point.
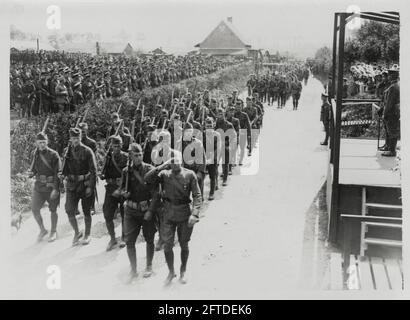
(186, 149)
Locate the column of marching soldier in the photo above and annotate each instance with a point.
(280, 85)
(154, 172)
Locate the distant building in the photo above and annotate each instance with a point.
(224, 40)
(115, 48)
(158, 51)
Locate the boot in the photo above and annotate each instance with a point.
(111, 244)
(87, 223)
(76, 239)
(148, 272)
(169, 258)
(159, 245)
(42, 234)
(184, 261)
(53, 236)
(122, 242)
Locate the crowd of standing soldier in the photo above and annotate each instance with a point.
(63, 85)
(280, 85)
(154, 171)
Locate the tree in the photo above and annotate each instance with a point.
(374, 41)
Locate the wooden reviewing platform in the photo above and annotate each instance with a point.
(361, 164)
(366, 273)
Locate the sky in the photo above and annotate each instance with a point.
(299, 27)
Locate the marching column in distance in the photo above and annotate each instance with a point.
(80, 170)
(46, 167)
(139, 208)
(178, 185)
(116, 161)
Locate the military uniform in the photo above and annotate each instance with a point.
(296, 89)
(244, 136)
(325, 117)
(212, 143)
(226, 127)
(112, 173)
(193, 161)
(391, 116)
(140, 201)
(177, 188)
(80, 170)
(46, 167)
(253, 115)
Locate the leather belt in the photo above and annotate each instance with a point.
(80, 177)
(116, 181)
(44, 179)
(137, 205)
(178, 201)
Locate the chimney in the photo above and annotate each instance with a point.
(229, 19)
(97, 47)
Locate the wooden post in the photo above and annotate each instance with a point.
(332, 89)
(333, 223)
(38, 46)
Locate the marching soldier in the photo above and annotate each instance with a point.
(212, 143)
(178, 184)
(92, 144)
(80, 170)
(296, 89)
(253, 116)
(236, 125)
(139, 208)
(226, 128)
(194, 155)
(244, 136)
(116, 161)
(46, 167)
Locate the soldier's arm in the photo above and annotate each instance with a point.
(57, 172)
(92, 165)
(154, 176)
(196, 196)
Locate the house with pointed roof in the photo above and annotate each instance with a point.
(224, 40)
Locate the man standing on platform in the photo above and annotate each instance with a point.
(325, 117)
(391, 114)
